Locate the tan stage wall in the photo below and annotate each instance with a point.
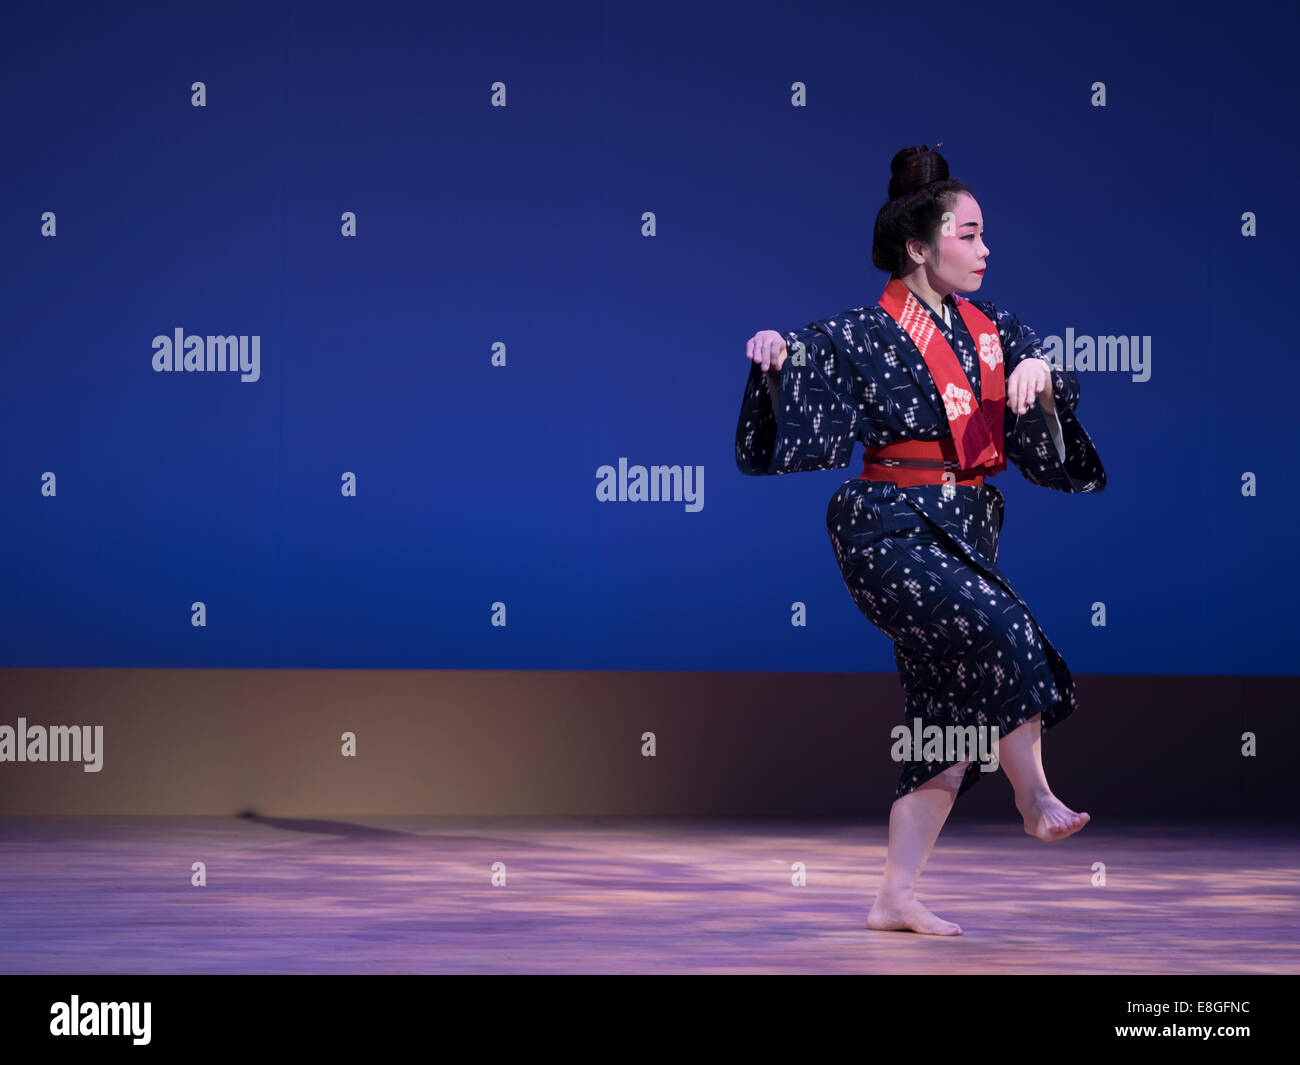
(542, 743)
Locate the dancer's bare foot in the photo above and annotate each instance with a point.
(893, 914)
(1048, 818)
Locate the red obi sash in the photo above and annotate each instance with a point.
(920, 462)
(974, 450)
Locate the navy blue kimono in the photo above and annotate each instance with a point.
(920, 562)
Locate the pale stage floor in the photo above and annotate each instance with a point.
(603, 895)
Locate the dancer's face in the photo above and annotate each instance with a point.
(959, 248)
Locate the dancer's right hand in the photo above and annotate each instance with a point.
(767, 349)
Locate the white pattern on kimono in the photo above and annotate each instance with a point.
(956, 401)
(990, 350)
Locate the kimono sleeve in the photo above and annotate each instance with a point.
(806, 418)
(1035, 440)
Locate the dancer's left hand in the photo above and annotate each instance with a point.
(1031, 380)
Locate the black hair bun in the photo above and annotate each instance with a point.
(915, 167)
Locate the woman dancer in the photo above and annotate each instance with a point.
(925, 379)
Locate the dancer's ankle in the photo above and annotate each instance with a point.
(1032, 796)
(893, 894)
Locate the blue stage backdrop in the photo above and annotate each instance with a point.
(465, 261)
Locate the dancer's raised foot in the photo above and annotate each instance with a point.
(1048, 818)
(891, 914)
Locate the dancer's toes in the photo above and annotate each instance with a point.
(1047, 818)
